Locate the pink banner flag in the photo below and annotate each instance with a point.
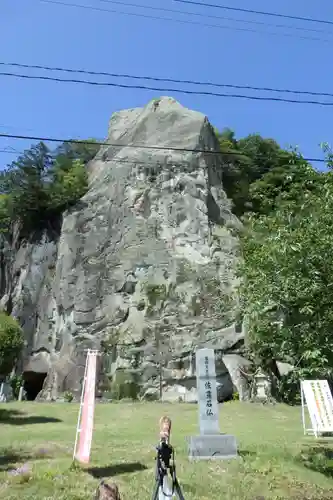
(87, 411)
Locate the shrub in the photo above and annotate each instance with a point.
(16, 381)
(68, 396)
(124, 386)
(11, 343)
(235, 396)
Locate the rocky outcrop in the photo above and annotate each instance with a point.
(146, 259)
(239, 369)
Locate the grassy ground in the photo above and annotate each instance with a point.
(276, 461)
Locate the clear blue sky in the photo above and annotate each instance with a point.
(32, 32)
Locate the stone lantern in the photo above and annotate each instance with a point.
(261, 389)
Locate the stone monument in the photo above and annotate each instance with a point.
(210, 444)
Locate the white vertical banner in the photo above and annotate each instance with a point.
(85, 423)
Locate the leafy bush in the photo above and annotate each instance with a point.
(68, 396)
(107, 395)
(235, 396)
(16, 382)
(11, 343)
(124, 386)
(68, 185)
(288, 389)
(318, 458)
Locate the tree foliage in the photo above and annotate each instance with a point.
(283, 182)
(287, 274)
(245, 162)
(11, 343)
(37, 187)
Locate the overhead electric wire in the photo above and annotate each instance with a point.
(181, 21)
(223, 18)
(147, 163)
(133, 146)
(160, 79)
(169, 90)
(10, 152)
(252, 11)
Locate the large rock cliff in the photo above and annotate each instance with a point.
(146, 260)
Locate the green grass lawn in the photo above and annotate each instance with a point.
(276, 461)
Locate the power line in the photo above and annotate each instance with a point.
(120, 160)
(181, 21)
(251, 11)
(147, 163)
(133, 146)
(10, 152)
(159, 79)
(224, 18)
(180, 91)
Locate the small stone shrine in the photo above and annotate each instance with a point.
(210, 444)
(262, 388)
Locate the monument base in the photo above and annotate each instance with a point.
(212, 447)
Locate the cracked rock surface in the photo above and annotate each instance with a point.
(146, 258)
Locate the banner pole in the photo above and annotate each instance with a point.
(81, 404)
(303, 410)
(87, 410)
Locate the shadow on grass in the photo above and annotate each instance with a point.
(10, 458)
(318, 458)
(15, 417)
(115, 470)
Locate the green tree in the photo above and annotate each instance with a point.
(246, 161)
(233, 165)
(78, 150)
(327, 149)
(11, 343)
(69, 173)
(37, 187)
(25, 184)
(69, 184)
(4, 213)
(287, 279)
(284, 182)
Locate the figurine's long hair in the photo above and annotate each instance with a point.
(107, 491)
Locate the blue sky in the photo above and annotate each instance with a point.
(32, 32)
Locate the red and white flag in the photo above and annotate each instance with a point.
(86, 417)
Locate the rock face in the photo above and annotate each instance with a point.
(239, 370)
(146, 260)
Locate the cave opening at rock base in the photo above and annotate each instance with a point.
(33, 384)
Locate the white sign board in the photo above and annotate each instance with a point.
(207, 392)
(316, 395)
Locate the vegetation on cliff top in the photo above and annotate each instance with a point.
(37, 187)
